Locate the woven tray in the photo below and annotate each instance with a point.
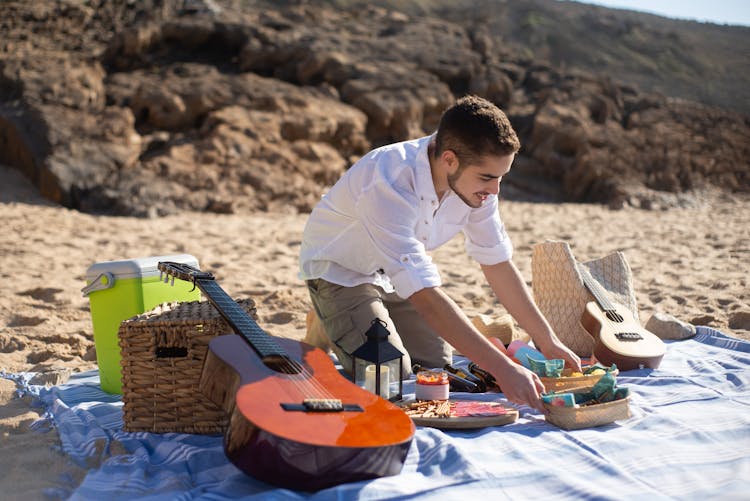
(162, 359)
(566, 382)
(588, 416)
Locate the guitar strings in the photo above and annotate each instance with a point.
(299, 375)
(305, 382)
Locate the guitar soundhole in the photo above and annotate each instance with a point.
(282, 364)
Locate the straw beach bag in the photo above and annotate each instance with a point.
(561, 295)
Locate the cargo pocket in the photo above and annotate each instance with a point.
(343, 332)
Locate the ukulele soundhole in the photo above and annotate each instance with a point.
(282, 364)
(614, 316)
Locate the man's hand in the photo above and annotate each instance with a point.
(446, 318)
(520, 385)
(551, 347)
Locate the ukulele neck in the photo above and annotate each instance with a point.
(596, 290)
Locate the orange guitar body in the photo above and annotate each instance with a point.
(294, 420)
(620, 339)
(296, 448)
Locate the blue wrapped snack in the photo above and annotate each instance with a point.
(547, 368)
(559, 399)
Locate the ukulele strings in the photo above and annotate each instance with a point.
(596, 291)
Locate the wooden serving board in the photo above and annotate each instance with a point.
(468, 414)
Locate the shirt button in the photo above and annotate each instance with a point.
(405, 259)
(421, 198)
(433, 202)
(424, 239)
(426, 222)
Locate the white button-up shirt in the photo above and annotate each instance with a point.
(379, 220)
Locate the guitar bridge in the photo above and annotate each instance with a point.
(628, 336)
(322, 405)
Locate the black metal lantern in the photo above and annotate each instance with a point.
(378, 364)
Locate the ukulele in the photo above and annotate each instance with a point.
(619, 337)
(295, 421)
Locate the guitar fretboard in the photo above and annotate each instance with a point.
(242, 323)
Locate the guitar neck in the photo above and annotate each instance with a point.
(242, 323)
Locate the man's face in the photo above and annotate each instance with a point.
(473, 183)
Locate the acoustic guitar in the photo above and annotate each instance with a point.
(619, 337)
(295, 421)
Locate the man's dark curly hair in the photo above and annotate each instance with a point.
(474, 127)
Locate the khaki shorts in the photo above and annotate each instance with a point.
(346, 313)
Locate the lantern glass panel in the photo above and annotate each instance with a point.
(390, 377)
(394, 379)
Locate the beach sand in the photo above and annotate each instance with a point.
(691, 263)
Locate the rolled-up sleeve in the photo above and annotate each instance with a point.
(486, 239)
(416, 272)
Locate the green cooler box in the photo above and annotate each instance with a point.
(118, 290)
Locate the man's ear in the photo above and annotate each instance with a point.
(450, 159)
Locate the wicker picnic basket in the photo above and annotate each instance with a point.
(162, 359)
(587, 416)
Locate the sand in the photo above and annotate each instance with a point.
(691, 263)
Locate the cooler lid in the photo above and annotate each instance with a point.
(136, 268)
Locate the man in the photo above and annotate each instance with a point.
(364, 250)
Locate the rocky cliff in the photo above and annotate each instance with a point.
(147, 108)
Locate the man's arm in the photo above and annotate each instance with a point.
(508, 285)
(446, 318)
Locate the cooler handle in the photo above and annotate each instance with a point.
(105, 280)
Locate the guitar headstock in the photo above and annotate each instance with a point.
(183, 271)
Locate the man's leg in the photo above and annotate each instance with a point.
(346, 314)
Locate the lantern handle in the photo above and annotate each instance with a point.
(382, 322)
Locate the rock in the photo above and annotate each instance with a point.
(51, 376)
(9, 344)
(703, 320)
(7, 391)
(494, 84)
(740, 320)
(90, 355)
(149, 108)
(666, 326)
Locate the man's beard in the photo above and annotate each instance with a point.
(452, 179)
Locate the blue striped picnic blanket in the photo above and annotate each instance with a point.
(688, 438)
